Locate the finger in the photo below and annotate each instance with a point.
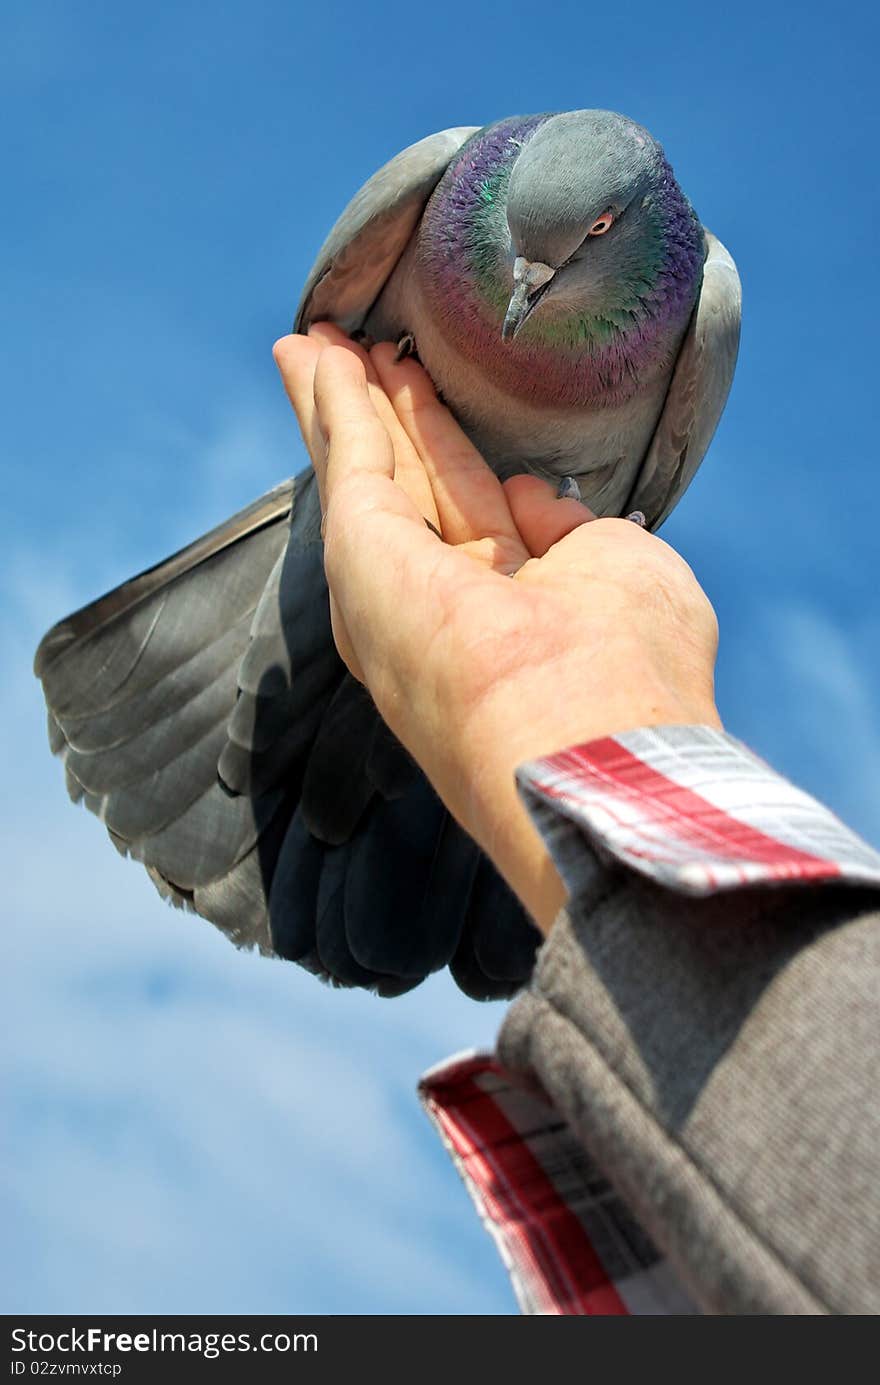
(408, 469)
(356, 473)
(377, 545)
(353, 436)
(541, 519)
(470, 501)
(296, 358)
(331, 335)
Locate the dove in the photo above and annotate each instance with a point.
(582, 325)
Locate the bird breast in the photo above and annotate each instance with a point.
(517, 429)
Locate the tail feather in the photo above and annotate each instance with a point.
(504, 938)
(389, 768)
(293, 893)
(336, 789)
(390, 868)
(330, 931)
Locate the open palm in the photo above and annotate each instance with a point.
(602, 627)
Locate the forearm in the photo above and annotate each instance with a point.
(503, 828)
(513, 726)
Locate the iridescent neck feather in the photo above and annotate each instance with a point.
(598, 359)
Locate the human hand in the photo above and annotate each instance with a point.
(603, 627)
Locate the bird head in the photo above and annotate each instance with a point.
(588, 207)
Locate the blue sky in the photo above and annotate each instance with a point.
(186, 1128)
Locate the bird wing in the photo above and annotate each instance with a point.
(139, 687)
(372, 233)
(697, 393)
(203, 713)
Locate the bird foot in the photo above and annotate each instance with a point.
(638, 518)
(568, 489)
(406, 346)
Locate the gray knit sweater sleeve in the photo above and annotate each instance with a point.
(705, 1016)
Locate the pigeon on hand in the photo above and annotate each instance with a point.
(581, 325)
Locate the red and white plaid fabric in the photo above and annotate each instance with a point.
(568, 1242)
(697, 812)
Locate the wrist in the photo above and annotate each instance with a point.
(510, 838)
(488, 803)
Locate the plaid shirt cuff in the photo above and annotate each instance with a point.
(568, 1242)
(690, 808)
(693, 810)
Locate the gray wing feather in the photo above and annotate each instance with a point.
(237, 903)
(137, 756)
(372, 233)
(291, 668)
(140, 685)
(698, 392)
(145, 807)
(157, 704)
(202, 844)
(84, 624)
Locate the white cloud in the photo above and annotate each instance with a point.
(832, 706)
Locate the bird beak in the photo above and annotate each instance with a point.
(530, 278)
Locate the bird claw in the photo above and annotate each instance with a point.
(568, 489)
(406, 346)
(638, 518)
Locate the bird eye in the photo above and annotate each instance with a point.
(601, 224)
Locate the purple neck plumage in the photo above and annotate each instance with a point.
(597, 359)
